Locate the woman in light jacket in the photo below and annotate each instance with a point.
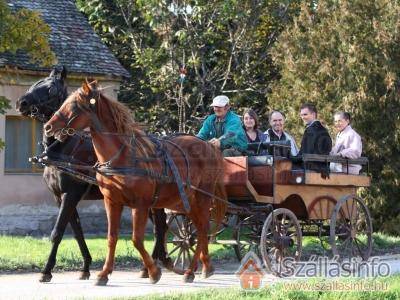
(348, 144)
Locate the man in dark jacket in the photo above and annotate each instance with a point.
(316, 139)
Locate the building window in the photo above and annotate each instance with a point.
(22, 137)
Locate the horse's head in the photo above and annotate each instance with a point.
(76, 113)
(44, 97)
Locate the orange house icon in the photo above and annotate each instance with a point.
(250, 272)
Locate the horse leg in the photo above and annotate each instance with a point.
(78, 233)
(200, 217)
(160, 229)
(219, 213)
(114, 212)
(139, 217)
(68, 204)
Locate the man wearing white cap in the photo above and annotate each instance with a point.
(224, 129)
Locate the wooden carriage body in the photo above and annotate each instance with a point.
(268, 179)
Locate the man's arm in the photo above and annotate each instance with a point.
(204, 132)
(234, 135)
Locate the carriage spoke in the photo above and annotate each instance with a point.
(183, 260)
(178, 257)
(361, 252)
(173, 250)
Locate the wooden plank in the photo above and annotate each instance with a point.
(309, 194)
(256, 196)
(335, 159)
(235, 171)
(337, 179)
(261, 179)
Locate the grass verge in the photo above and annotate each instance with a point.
(297, 290)
(30, 254)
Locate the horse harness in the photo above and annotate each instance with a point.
(161, 151)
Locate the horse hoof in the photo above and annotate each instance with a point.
(155, 279)
(101, 281)
(45, 277)
(208, 273)
(144, 273)
(84, 276)
(188, 277)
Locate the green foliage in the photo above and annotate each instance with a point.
(222, 45)
(344, 55)
(25, 30)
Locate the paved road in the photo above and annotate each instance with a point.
(121, 284)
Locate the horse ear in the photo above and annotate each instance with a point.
(92, 83)
(63, 75)
(85, 88)
(53, 72)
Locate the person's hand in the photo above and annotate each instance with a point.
(215, 142)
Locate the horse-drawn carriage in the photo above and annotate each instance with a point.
(271, 206)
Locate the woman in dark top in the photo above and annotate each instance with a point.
(250, 125)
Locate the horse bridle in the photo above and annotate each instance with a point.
(76, 110)
(59, 97)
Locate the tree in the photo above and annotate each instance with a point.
(344, 55)
(23, 30)
(182, 53)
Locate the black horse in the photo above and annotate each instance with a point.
(40, 102)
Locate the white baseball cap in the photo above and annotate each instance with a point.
(220, 101)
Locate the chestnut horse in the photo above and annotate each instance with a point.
(133, 170)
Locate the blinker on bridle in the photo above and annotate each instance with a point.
(76, 109)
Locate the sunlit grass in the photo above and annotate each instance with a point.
(30, 254)
(282, 291)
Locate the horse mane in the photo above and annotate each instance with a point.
(120, 114)
(121, 117)
(124, 122)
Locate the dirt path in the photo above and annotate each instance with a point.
(122, 284)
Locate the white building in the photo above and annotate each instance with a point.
(26, 206)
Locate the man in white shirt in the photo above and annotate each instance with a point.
(348, 144)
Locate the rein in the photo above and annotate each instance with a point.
(106, 168)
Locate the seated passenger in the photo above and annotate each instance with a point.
(277, 132)
(224, 129)
(348, 144)
(253, 134)
(316, 139)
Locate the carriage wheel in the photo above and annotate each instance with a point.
(320, 209)
(281, 239)
(215, 231)
(246, 233)
(351, 229)
(183, 240)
